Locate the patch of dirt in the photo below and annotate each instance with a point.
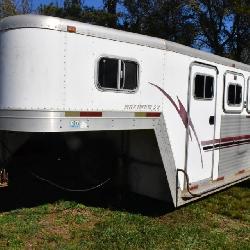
(178, 216)
(57, 225)
(226, 224)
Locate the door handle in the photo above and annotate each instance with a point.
(211, 120)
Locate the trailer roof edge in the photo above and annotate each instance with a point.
(55, 23)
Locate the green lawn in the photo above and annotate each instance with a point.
(221, 221)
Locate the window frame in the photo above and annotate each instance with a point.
(248, 95)
(120, 60)
(229, 77)
(204, 98)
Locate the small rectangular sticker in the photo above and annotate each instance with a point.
(75, 124)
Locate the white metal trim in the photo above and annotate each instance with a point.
(53, 23)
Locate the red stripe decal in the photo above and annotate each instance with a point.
(205, 143)
(241, 171)
(153, 114)
(193, 187)
(226, 139)
(91, 114)
(220, 178)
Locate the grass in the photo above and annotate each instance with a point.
(221, 221)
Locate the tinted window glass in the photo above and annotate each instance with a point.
(231, 94)
(199, 86)
(209, 87)
(234, 94)
(108, 73)
(131, 75)
(238, 95)
(111, 69)
(204, 87)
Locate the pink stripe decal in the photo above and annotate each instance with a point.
(226, 139)
(183, 115)
(209, 142)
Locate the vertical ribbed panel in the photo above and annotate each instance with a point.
(237, 157)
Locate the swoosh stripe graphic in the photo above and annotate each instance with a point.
(186, 120)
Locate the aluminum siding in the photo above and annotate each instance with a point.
(236, 158)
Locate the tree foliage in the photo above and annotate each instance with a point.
(76, 10)
(223, 26)
(7, 8)
(110, 7)
(166, 19)
(240, 42)
(11, 7)
(210, 18)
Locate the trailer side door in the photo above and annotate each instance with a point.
(201, 122)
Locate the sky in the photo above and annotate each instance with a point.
(95, 3)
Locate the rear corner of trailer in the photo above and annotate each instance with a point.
(31, 74)
(31, 68)
(34, 126)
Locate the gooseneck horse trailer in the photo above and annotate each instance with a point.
(175, 120)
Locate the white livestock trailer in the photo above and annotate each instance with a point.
(176, 119)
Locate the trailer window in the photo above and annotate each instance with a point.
(204, 87)
(234, 96)
(130, 75)
(117, 74)
(108, 73)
